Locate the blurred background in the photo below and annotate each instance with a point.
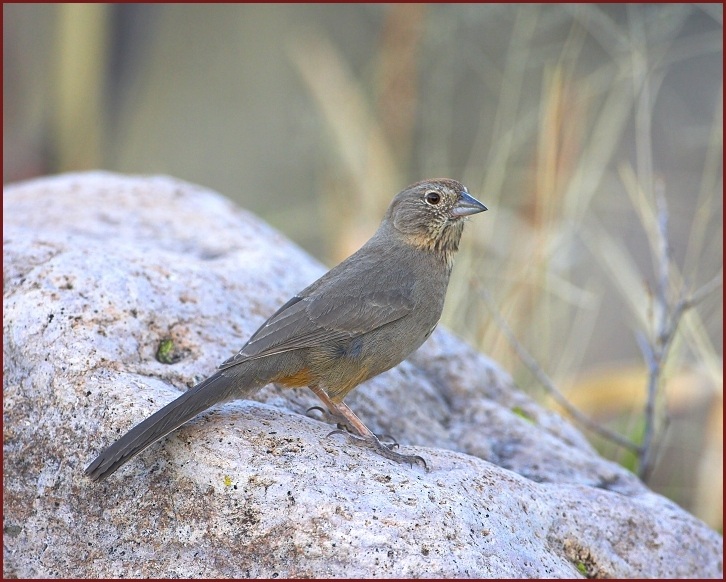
(570, 122)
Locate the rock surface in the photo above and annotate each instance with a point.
(101, 270)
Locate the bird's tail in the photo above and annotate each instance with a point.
(219, 387)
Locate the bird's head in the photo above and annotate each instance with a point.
(430, 214)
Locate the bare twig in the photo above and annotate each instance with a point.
(547, 382)
(699, 295)
(668, 311)
(655, 351)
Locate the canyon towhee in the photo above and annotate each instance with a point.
(359, 319)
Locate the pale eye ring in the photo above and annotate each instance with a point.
(432, 198)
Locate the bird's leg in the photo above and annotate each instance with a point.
(334, 417)
(341, 412)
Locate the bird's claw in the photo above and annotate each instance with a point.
(340, 422)
(328, 416)
(387, 437)
(318, 408)
(382, 449)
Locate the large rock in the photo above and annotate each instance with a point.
(102, 270)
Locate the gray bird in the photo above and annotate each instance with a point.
(361, 318)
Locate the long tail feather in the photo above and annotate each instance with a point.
(213, 390)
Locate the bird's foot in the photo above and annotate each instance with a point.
(330, 417)
(372, 442)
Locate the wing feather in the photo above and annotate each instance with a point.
(337, 308)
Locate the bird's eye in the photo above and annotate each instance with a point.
(432, 198)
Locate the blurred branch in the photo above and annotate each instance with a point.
(396, 76)
(669, 312)
(547, 382)
(360, 141)
(654, 352)
(78, 120)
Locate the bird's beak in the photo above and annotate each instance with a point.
(467, 205)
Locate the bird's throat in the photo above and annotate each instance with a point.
(442, 240)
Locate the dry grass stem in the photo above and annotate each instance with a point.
(547, 382)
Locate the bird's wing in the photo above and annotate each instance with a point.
(342, 308)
